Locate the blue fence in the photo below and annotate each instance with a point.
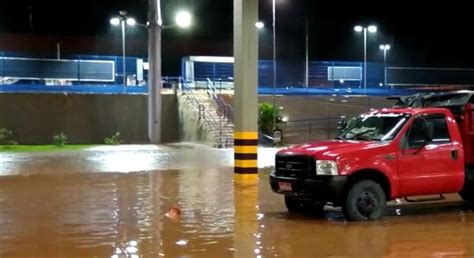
(324, 78)
(289, 74)
(17, 68)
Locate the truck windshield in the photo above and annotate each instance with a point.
(375, 127)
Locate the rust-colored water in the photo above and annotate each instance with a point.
(56, 212)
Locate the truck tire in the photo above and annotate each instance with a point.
(365, 200)
(296, 205)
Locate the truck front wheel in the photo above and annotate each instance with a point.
(303, 206)
(365, 200)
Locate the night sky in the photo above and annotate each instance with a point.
(422, 33)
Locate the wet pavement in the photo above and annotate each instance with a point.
(114, 202)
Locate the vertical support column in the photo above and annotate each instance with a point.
(365, 61)
(154, 72)
(306, 67)
(245, 85)
(124, 57)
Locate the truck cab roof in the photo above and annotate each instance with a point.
(411, 111)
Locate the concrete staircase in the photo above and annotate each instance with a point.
(214, 119)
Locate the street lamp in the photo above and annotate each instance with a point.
(370, 29)
(385, 48)
(260, 25)
(183, 19)
(274, 61)
(131, 21)
(123, 19)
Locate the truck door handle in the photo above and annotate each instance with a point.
(454, 154)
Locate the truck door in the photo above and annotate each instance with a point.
(429, 168)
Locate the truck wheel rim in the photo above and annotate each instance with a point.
(366, 203)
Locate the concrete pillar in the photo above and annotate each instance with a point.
(154, 71)
(245, 83)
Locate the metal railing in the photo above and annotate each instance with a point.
(311, 129)
(223, 107)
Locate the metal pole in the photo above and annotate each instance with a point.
(154, 72)
(365, 60)
(385, 66)
(124, 56)
(58, 50)
(306, 79)
(274, 64)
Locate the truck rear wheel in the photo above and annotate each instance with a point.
(296, 205)
(365, 200)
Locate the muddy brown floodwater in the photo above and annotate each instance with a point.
(75, 205)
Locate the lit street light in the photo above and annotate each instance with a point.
(115, 21)
(131, 21)
(183, 19)
(370, 29)
(385, 48)
(122, 18)
(260, 25)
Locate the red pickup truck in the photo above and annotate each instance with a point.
(423, 146)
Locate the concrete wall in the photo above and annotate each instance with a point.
(84, 118)
(313, 107)
(326, 108)
(87, 118)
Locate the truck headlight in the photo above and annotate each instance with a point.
(326, 168)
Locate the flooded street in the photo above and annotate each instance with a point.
(114, 202)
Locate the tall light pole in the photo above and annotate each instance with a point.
(123, 19)
(366, 30)
(274, 63)
(385, 48)
(306, 70)
(183, 19)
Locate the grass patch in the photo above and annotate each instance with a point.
(42, 148)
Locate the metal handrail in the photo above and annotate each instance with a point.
(221, 104)
(308, 126)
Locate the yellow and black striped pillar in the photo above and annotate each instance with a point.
(245, 87)
(245, 152)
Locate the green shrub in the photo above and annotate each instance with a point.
(60, 140)
(113, 140)
(5, 137)
(267, 114)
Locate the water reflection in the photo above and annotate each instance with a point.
(126, 158)
(65, 214)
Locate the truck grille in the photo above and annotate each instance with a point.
(295, 166)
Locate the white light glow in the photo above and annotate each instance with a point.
(259, 25)
(131, 249)
(372, 29)
(182, 242)
(183, 19)
(115, 21)
(358, 28)
(385, 47)
(131, 21)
